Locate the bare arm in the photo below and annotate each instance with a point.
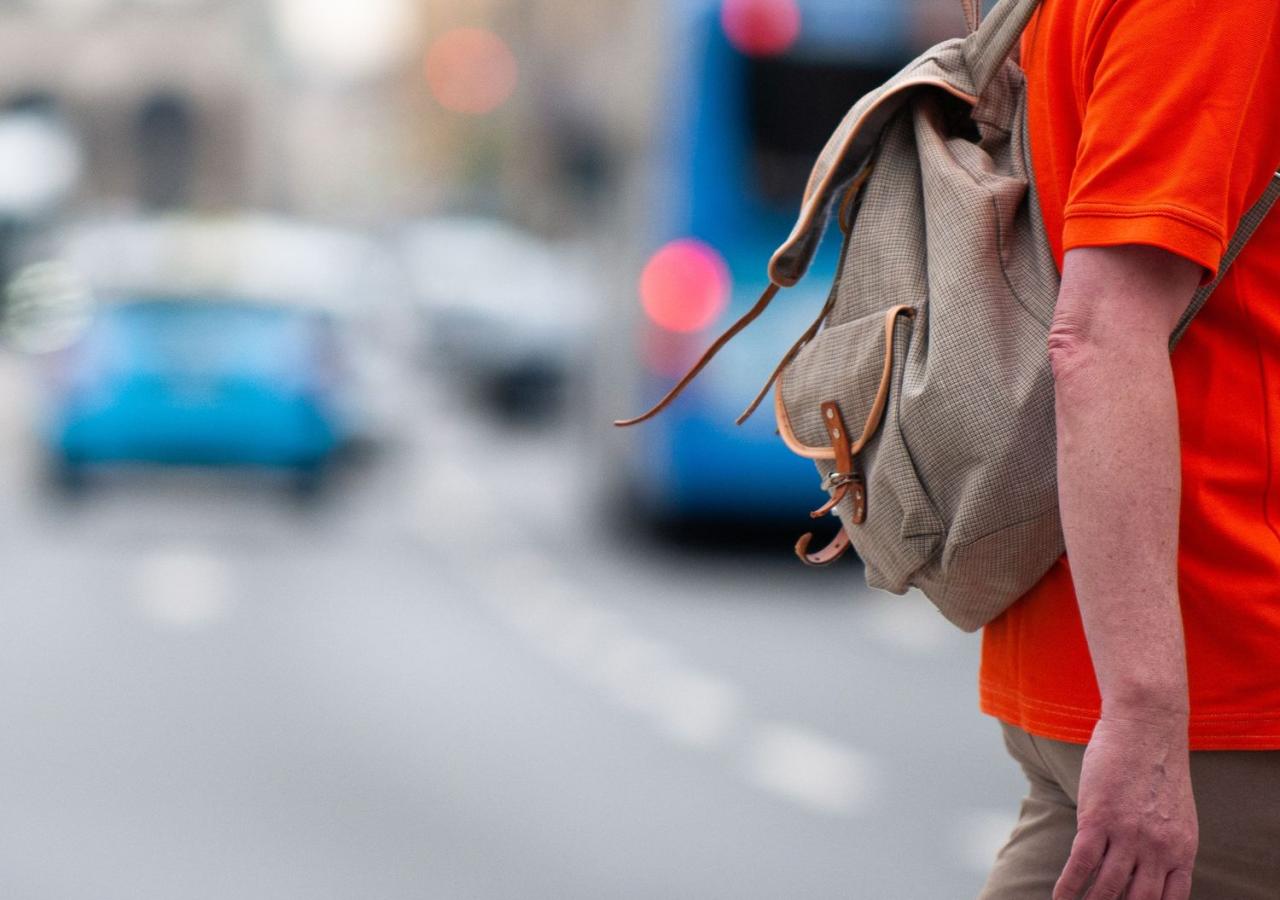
(1119, 473)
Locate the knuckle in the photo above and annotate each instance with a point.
(1090, 841)
(1178, 848)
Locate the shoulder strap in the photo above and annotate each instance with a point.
(1244, 231)
(989, 46)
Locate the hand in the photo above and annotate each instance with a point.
(1136, 819)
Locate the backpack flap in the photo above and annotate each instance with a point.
(846, 156)
(962, 67)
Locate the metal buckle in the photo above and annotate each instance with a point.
(838, 480)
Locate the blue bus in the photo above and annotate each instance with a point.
(755, 88)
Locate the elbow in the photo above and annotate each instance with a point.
(1071, 350)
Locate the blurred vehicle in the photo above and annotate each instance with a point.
(202, 342)
(502, 309)
(199, 380)
(754, 91)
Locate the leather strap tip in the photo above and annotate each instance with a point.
(828, 555)
(636, 420)
(802, 547)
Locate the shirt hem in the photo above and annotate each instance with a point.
(1074, 725)
(1171, 229)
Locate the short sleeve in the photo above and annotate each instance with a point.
(1181, 124)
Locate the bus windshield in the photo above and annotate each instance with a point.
(794, 103)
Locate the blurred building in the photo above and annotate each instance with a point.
(329, 108)
(165, 98)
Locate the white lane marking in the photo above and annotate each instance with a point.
(978, 835)
(183, 588)
(815, 772)
(909, 623)
(603, 649)
(452, 506)
(633, 668)
(696, 709)
(599, 646)
(578, 639)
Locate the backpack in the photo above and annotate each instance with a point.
(923, 390)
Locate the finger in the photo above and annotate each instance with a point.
(1114, 875)
(1086, 854)
(1178, 885)
(1148, 883)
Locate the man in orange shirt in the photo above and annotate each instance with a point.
(1154, 127)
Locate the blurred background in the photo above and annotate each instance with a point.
(325, 575)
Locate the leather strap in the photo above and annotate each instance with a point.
(827, 555)
(845, 473)
(788, 358)
(846, 225)
(751, 315)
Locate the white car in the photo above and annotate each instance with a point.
(505, 311)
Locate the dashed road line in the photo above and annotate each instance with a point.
(815, 772)
(184, 588)
(599, 646)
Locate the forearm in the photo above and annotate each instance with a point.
(1119, 473)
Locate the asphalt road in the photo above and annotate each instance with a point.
(445, 680)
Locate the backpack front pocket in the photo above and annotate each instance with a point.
(855, 368)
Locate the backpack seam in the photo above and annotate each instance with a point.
(1002, 249)
(1048, 510)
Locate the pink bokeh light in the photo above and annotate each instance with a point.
(685, 286)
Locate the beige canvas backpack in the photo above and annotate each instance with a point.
(923, 390)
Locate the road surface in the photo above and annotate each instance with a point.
(446, 680)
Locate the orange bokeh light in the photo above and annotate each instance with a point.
(471, 71)
(761, 27)
(685, 286)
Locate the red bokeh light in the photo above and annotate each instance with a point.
(761, 27)
(471, 71)
(685, 287)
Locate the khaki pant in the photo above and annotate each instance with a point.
(1237, 799)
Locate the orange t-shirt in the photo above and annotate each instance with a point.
(1159, 124)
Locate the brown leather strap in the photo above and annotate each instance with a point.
(846, 224)
(850, 478)
(788, 358)
(827, 555)
(844, 469)
(886, 376)
(751, 315)
(847, 484)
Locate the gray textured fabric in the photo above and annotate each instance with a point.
(961, 475)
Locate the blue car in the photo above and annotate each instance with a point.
(198, 381)
(749, 106)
